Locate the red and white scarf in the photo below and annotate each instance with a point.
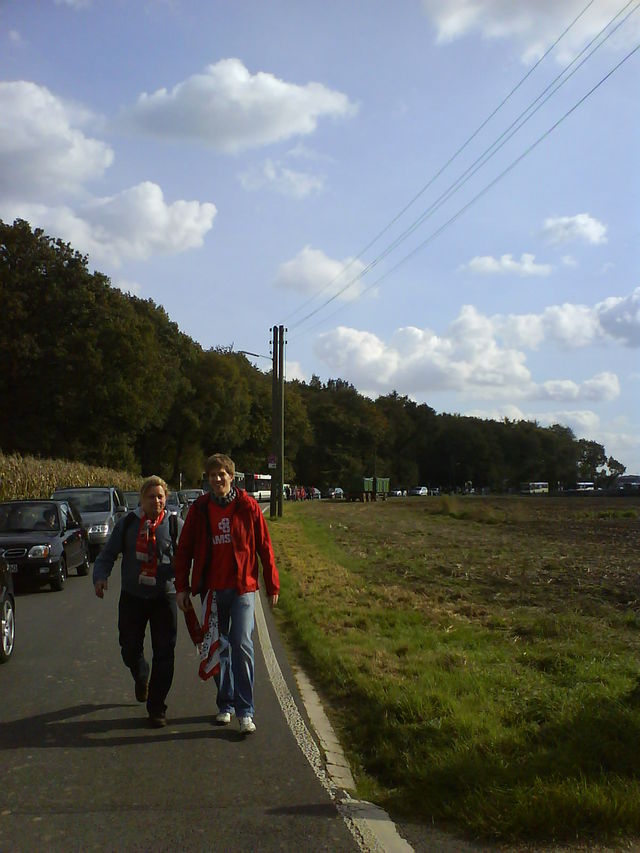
(146, 549)
(206, 637)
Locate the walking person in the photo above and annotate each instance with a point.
(146, 539)
(224, 533)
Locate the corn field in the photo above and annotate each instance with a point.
(29, 477)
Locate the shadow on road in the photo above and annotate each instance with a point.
(61, 728)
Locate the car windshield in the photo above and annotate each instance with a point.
(131, 499)
(191, 494)
(89, 500)
(172, 499)
(16, 517)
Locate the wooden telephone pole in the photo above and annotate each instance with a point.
(277, 422)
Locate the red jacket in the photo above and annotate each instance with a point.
(249, 536)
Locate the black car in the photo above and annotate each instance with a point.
(42, 540)
(7, 613)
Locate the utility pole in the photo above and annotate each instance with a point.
(277, 422)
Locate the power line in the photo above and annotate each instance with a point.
(448, 162)
(488, 153)
(492, 183)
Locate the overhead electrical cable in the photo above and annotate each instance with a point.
(448, 162)
(490, 185)
(488, 153)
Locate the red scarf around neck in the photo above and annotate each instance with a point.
(146, 548)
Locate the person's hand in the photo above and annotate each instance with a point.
(101, 587)
(273, 599)
(183, 601)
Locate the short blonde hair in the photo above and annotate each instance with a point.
(152, 481)
(220, 460)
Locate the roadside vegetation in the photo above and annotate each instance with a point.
(29, 477)
(480, 657)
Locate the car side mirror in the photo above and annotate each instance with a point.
(120, 509)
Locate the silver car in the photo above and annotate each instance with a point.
(100, 507)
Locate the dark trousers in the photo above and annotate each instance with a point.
(133, 615)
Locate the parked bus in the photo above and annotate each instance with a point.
(585, 487)
(539, 488)
(258, 485)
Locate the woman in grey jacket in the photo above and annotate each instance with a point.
(147, 595)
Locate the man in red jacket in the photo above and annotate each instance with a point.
(224, 533)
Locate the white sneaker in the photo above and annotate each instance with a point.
(223, 718)
(247, 726)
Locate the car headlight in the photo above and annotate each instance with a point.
(99, 528)
(40, 551)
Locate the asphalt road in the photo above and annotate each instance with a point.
(81, 770)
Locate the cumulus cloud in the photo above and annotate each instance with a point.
(229, 109)
(533, 25)
(312, 272)
(131, 287)
(619, 316)
(467, 359)
(42, 149)
(505, 264)
(562, 229)
(287, 182)
(133, 224)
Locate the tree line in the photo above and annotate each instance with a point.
(95, 375)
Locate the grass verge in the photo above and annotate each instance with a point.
(479, 656)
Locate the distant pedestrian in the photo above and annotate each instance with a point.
(147, 595)
(223, 536)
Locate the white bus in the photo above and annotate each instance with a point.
(539, 488)
(585, 487)
(258, 485)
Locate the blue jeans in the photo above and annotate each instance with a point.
(235, 624)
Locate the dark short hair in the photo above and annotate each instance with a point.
(220, 460)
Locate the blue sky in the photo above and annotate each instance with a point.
(236, 163)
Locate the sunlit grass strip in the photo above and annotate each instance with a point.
(510, 721)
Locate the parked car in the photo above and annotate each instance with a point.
(100, 507)
(7, 613)
(188, 496)
(131, 499)
(418, 490)
(174, 505)
(335, 493)
(42, 540)
(395, 493)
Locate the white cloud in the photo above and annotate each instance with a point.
(526, 266)
(279, 178)
(74, 4)
(562, 229)
(15, 37)
(620, 317)
(533, 25)
(311, 273)
(41, 151)
(131, 287)
(294, 371)
(569, 261)
(230, 109)
(133, 224)
(469, 358)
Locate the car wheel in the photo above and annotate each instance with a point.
(83, 568)
(7, 630)
(58, 582)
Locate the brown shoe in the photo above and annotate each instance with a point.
(142, 689)
(157, 719)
